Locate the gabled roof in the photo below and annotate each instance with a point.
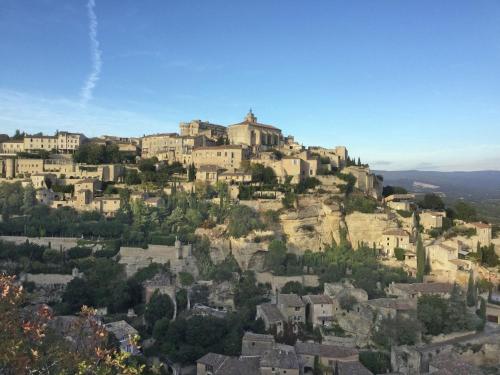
(213, 359)
(391, 303)
(317, 299)
(290, 300)
(272, 313)
(424, 288)
(121, 329)
(280, 358)
(395, 232)
(328, 351)
(258, 337)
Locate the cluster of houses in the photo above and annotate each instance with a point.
(219, 153)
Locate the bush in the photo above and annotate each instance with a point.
(399, 253)
(376, 362)
(360, 203)
(79, 252)
(404, 213)
(288, 200)
(242, 220)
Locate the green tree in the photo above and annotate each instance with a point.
(399, 253)
(242, 220)
(396, 331)
(159, 306)
(347, 302)
(191, 172)
(421, 262)
(275, 257)
(432, 202)
(471, 291)
(29, 199)
(465, 212)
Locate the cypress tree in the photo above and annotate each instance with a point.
(471, 300)
(420, 259)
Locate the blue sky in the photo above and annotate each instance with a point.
(403, 84)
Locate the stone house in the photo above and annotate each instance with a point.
(124, 333)
(179, 256)
(271, 316)
(395, 238)
(432, 219)
(484, 232)
(328, 355)
(12, 146)
(253, 344)
(493, 309)
(413, 291)
(388, 307)
(280, 360)
(293, 309)
(251, 133)
(319, 309)
(224, 157)
(402, 202)
(198, 127)
(218, 364)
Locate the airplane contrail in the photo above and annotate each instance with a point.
(90, 83)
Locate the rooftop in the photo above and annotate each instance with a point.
(425, 287)
(396, 232)
(121, 329)
(280, 358)
(391, 303)
(290, 300)
(329, 351)
(317, 299)
(214, 360)
(448, 364)
(272, 312)
(258, 337)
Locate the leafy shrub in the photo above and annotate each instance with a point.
(360, 203)
(79, 252)
(399, 253)
(242, 220)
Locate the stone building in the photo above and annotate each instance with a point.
(124, 333)
(260, 354)
(61, 142)
(179, 256)
(484, 232)
(271, 316)
(366, 181)
(395, 238)
(12, 146)
(293, 309)
(337, 157)
(432, 219)
(198, 127)
(319, 309)
(251, 133)
(172, 147)
(413, 291)
(254, 344)
(327, 355)
(401, 202)
(225, 157)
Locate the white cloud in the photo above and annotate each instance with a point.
(89, 85)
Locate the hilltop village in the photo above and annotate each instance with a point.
(237, 250)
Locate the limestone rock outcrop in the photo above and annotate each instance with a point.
(368, 228)
(312, 226)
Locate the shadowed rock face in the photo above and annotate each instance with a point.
(368, 228)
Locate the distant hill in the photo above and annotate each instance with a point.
(468, 185)
(481, 188)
